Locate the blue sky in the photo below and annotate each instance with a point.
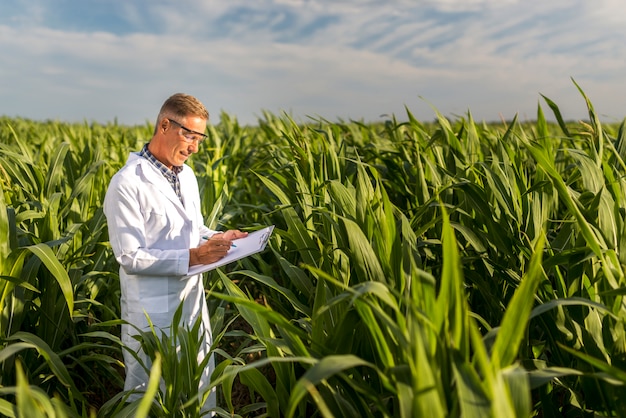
(101, 60)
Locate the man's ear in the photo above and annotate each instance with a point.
(165, 123)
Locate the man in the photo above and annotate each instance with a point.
(156, 231)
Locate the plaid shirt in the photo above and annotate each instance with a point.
(170, 175)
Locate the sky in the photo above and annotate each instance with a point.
(340, 60)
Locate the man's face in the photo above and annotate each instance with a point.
(175, 146)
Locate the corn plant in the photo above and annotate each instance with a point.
(56, 266)
(443, 268)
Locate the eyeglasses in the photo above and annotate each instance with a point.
(189, 135)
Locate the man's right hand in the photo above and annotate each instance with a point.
(210, 251)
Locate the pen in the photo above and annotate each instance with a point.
(205, 237)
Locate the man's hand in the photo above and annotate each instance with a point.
(210, 251)
(233, 234)
(214, 248)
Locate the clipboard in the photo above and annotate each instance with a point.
(254, 243)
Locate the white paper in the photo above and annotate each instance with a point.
(243, 247)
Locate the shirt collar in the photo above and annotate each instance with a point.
(145, 152)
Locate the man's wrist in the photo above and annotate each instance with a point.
(193, 257)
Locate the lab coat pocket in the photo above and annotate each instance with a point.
(150, 294)
(164, 230)
(158, 224)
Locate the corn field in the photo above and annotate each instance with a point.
(448, 268)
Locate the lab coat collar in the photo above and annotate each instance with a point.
(152, 175)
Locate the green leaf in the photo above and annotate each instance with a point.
(473, 401)
(515, 320)
(52, 359)
(258, 382)
(322, 370)
(153, 386)
(45, 254)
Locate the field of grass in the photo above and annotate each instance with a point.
(448, 268)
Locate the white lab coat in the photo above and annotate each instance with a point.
(151, 231)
